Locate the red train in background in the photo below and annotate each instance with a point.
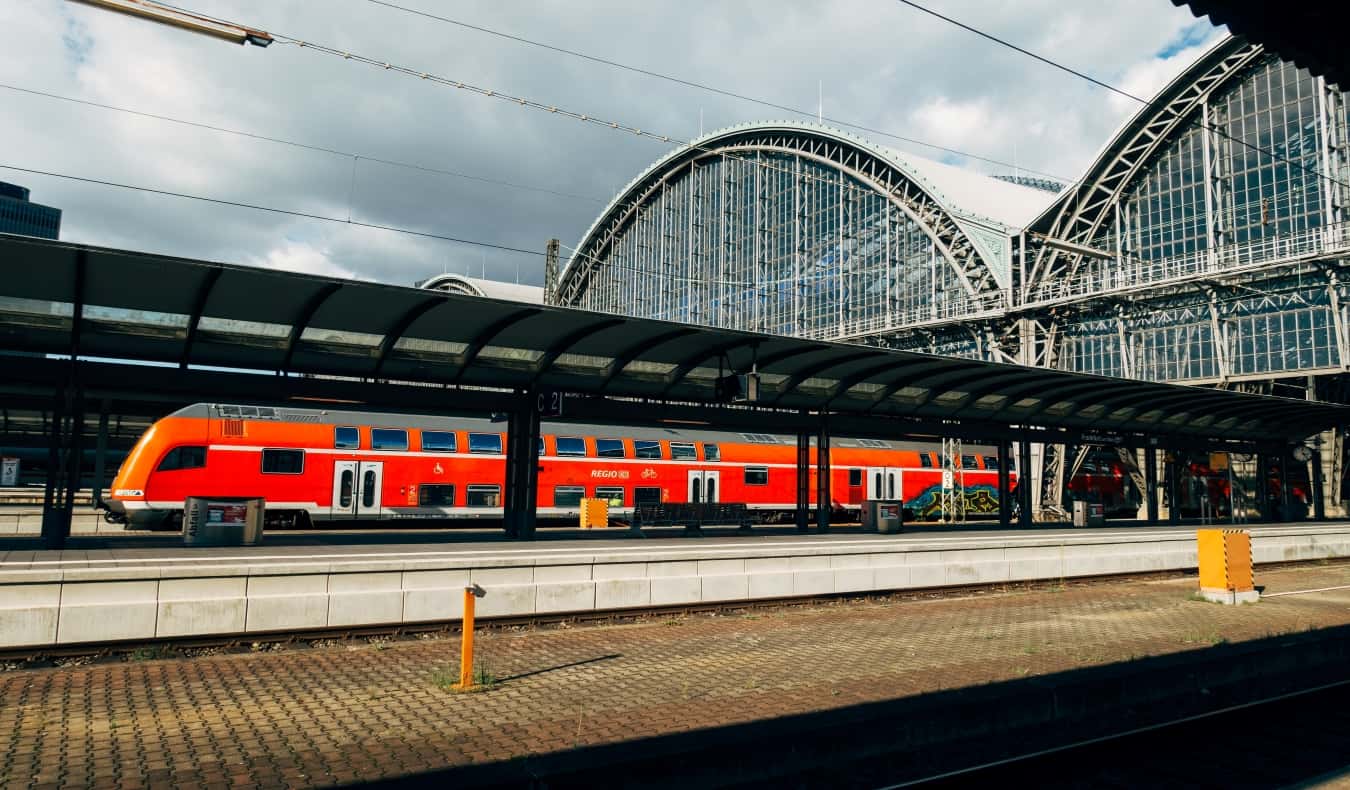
(320, 466)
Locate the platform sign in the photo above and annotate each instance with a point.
(1101, 437)
(9, 471)
(549, 403)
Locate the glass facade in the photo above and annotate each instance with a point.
(1269, 149)
(777, 243)
(19, 216)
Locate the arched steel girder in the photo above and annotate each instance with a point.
(1078, 216)
(863, 166)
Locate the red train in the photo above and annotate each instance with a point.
(316, 466)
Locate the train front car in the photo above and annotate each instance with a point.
(166, 466)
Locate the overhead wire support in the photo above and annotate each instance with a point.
(816, 114)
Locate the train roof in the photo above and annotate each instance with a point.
(434, 422)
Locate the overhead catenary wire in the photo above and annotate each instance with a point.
(296, 144)
(1142, 101)
(272, 209)
(810, 114)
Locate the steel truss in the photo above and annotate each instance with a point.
(745, 210)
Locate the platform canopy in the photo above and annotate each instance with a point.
(117, 305)
(1311, 34)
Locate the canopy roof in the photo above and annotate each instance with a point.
(155, 309)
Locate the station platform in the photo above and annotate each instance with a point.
(118, 589)
(680, 701)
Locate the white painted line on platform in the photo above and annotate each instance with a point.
(749, 544)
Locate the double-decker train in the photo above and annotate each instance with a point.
(320, 466)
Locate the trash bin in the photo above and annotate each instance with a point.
(882, 515)
(222, 521)
(1088, 514)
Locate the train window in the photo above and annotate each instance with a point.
(612, 495)
(187, 457)
(645, 449)
(683, 451)
(990, 462)
(756, 475)
(483, 496)
(926, 460)
(855, 477)
(644, 495)
(1012, 464)
(345, 489)
(369, 487)
(541, 445)
(438, 442)
(435, 495)
(570, 445)
(485, 443)
(610, 448)
(283, 462)
(346, 438)
(968, 462)
(712, 452)
(568, 496)
(388, 439)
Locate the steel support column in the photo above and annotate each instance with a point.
(63, 468)
(1319, 503)
(101, 449)
(1004, 487)
(1024, 484)
(522, 469)
(1151, 485)
(803, 481)
(1174, 491)
(1262, 484)
(823, 476)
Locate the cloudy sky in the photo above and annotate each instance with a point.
(880, 64)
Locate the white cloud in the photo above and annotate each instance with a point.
(303, 258)
(882, 65)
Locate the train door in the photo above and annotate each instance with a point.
(703, 486)
(368, 493)
(894, 491)
(876, 482)
(356, 489)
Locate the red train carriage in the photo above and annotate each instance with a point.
(324, 466)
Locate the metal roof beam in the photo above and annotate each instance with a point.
(302, 319)
(399, 328)
(198, 305)
(484, 337)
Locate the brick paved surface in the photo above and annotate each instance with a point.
(333, 715)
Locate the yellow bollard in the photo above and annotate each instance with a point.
(1225, 559)
(466, 639)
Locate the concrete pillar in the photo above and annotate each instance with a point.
(1024, 483)
(63, 469)
(1151, 485)
(803, 481)
(1004, 486)
(823, 476)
